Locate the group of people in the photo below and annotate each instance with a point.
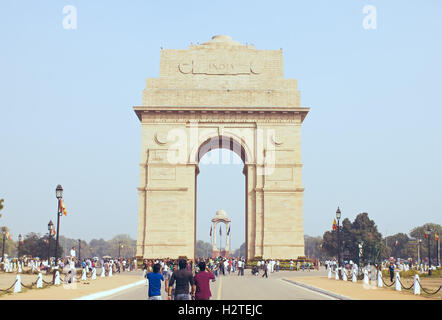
(391, 264)
(219, 266)
(67, 264)
(183, 280)
(186, 280)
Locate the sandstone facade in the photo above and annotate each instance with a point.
(221, 94)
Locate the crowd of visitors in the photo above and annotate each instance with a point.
(188, 279)
(68, 263)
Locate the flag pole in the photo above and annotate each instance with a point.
(438, 251)
(230, 238)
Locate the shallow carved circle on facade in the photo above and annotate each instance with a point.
(160, 138)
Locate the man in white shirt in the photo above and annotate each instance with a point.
(240, 267)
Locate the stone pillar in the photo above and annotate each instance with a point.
(214, 237)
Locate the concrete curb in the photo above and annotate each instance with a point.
(328, 293)
(106, 293)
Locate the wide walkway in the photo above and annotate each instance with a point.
(247, 287)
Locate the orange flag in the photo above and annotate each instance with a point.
(64, 210)
(334, 227)
(436, 236)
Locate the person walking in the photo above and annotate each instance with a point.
(201, 286)
(182, 278)
(240, 266)
(171, 270)
(165, 269)
(221, 268)
(265, 267)
(391, 269)
(154, 278)
(215, 269)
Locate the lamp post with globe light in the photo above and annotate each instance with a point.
(20, 239)
(428, 236)
(338, 216)
(59, 196)
(51, 230)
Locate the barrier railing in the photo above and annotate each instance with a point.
(47, 283)
(361, 277)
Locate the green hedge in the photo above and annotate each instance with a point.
(283, 264)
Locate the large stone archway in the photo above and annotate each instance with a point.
(221, 94)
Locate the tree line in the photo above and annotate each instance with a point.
(375, 248)
(41, 246)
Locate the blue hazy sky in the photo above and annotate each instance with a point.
(371, 142)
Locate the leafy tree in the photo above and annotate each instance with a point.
(398, 245)
(351, 233)
(99, 248)
(313, 247)
(418, 233)
(241, 252)
(127, 249)
(38, 246)
(9, 244)
(67, 244)
(1, 205)
(203, 249)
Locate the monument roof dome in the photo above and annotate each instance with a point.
(221, 213)
(222, 40)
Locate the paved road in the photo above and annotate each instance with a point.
(248, 287)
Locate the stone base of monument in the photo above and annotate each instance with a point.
(220, 253)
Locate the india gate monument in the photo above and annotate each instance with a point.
(221, 94)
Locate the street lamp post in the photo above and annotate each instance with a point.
(360, 244)
(119, 247)
(437, 252)
(3, 250)
(338, 216)
(50, 229)
(59, 195)
(20, 239)
(428, 235)
(419, 243)
(79, 252)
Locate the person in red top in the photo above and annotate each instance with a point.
(201, 285)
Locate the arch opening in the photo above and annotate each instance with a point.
(222, 142)
(228, 193)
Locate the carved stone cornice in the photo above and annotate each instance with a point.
(162, 114)
(280, 190)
